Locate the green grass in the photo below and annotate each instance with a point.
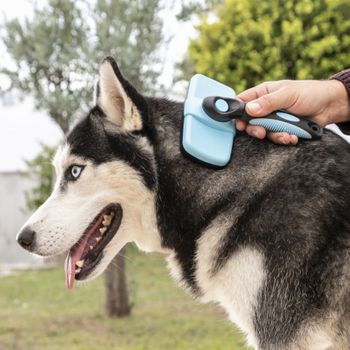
(37, 313)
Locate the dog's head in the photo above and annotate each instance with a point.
(104, 196)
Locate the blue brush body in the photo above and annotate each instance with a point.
(204, 138)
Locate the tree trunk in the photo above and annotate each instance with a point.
(117, 298)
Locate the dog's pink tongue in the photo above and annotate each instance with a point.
(74, 255)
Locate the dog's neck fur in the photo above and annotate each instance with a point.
(184, 187)
(180, 181)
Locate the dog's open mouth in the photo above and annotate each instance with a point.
(88, 251)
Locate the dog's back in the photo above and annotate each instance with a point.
(283, 210)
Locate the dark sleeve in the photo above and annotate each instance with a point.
(344, 77)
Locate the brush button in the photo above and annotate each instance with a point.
(221, 105)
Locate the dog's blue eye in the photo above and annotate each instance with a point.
(76, 171)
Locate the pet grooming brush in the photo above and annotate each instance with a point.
(208, 127)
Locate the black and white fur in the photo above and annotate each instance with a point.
(268, 237)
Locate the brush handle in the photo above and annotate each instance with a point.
(225, 109)
(280, 121)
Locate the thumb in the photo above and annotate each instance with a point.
(264, 105)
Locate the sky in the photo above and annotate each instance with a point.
(21, 132)
(23, 129)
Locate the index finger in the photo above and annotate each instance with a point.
(259, 90)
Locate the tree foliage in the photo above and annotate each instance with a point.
(252, 40)
(46, 51)
(196, 8)
(131, 31)
(39, 168)
(56, 51)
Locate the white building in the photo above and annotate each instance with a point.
(12, 216)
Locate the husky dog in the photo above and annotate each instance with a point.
(268, 237)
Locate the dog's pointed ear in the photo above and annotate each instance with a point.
(118, 99)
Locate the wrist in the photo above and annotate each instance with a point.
(339, 107)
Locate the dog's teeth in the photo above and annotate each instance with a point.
(106, 220)
(77, 270)
(80, 263)
(97, 239)
(103, 230)
(91, 247)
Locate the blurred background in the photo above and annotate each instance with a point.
(50, 51)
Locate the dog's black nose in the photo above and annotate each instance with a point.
(26, 238)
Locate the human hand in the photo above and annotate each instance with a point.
(324, 102)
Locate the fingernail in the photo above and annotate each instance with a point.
(294, 139)
(253, 107)
(239, 125)
(255, 134)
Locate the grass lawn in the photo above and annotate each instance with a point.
(37, 312)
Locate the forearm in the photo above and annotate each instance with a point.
(344, 78)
